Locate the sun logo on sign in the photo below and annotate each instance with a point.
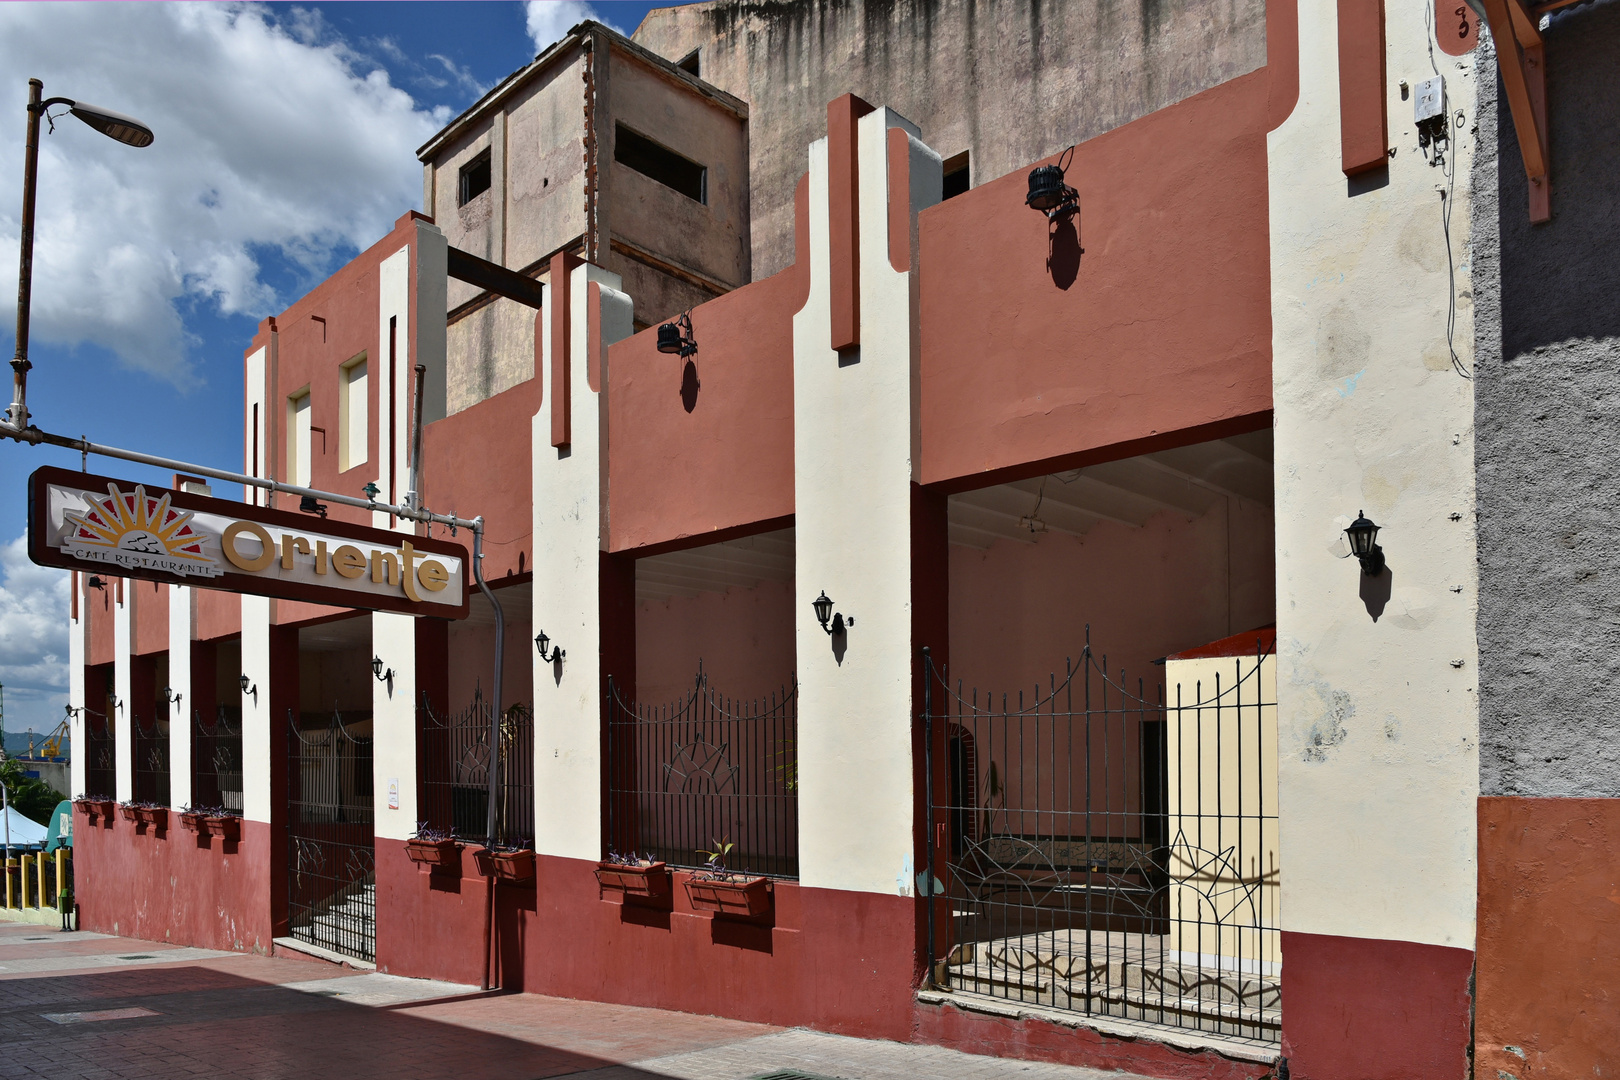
(137, 530)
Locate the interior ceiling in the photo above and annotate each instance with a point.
(351, 633)
(1188, 480)
(740, 564)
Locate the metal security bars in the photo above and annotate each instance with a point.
(216, 759)
(1109, 852)
(150, 743)
(702, 769)
(100, 758)
(454, 759)
(331, 879)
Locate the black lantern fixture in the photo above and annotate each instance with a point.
(248, 687)
(311, 505)
(377, 670)
(1363, 536)
(676, 338)
(170, 696)
(548, 654)
(823, 606)
(1049, 194)
(94, 582)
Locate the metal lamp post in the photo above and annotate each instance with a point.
(114, 125)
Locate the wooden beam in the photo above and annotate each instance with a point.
(1524, 25)
(1525, 80)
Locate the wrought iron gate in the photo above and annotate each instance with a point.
(216, 756)
(454, 761)
(331, 883)
(702, 769)
(1101, 850)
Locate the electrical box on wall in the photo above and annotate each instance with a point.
(1429, 110)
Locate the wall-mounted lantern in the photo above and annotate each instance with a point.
(676, 337)
(170, 696)
(377, 670)
(1363, 536)
(548, 654)
(116, 704)
(823, 606)
(94, 582)
(1049, 194)
(309, 504)
(248, 687)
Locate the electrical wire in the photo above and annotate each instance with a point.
(1447, 162)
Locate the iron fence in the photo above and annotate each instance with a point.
(149, 743)
(331, 878)
(454, 759)
(100, 758)
(216, 759)
(1107, 851)
(703, 769)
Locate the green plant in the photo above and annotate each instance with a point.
(715, 868)
(33, 798)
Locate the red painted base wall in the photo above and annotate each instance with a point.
(1362, 1009)
(1549, 938)
(172, 886)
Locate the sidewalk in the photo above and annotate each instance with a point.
(85, 1006)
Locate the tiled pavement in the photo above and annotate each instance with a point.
(195, 1013)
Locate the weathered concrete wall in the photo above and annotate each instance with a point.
(975, 76)
(1548, 421)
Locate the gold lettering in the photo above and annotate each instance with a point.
(407, 573)
(348, 561)
(384, 561)
(253, 565)
(320, 556)
(289, 544)
(433, 575)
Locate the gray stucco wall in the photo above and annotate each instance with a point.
(1010, 81)
(1547, 416)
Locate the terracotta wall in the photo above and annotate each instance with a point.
(219, 614)
(98, 608)
(1031, 350)
(743, 636)
(472, 657)
(151, 615)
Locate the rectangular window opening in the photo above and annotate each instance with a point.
(298, 438)
(956, 175)
(689, 63)
(660, 163)
(353, 414)
(474, 178)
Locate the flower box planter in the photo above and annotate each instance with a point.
(96, 810)
(129, 813)
(644, 883)
(433, 854)
(745, 898)
(225, 826)
(517, 866)
(155, 817)
(196, 823)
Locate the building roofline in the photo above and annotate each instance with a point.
(576, 36)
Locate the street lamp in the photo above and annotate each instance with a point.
(114, 125)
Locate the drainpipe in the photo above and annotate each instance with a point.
(494, 732)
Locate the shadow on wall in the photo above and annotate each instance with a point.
(1550, 292)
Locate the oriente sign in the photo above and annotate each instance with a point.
(98, 524)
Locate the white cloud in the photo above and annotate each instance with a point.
(33, 639)
(272, 139)
(549, 20)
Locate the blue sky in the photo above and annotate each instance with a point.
(285, 139)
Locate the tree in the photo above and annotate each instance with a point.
(33, 798)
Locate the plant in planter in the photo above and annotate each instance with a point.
(130, 811)
(96, 807)
(220, 822)
(640, 877)
(724, 892)
(433, 848)
(512, 864)
(152, 814)
(192, 818)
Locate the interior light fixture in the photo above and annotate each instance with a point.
(548, 653)
(1363, 536)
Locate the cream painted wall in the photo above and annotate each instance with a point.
(78, 632)
(570, 535)
(123, 729)
(256, 385)
(852, 489)
(256, 726)
(1377, 719)
(393, 711)
(182, 618)
(393, 301)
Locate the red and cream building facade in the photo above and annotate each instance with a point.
(1103, 461)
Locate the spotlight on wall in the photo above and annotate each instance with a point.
(94, 582)
(676, 337)
(548, 654)
(1049, 194)
(170, 696)
(823, 606)
(1363, 536)
(309, 504)
(248, 687)
(377, 670)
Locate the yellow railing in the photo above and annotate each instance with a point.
(29, 885)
